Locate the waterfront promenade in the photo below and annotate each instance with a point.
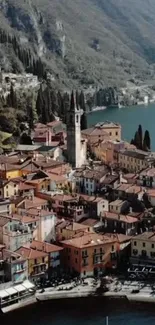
(117, 289)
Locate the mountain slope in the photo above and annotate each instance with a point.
(86, 42)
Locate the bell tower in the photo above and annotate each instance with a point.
(74, 134)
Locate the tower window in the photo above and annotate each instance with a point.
(77, 119)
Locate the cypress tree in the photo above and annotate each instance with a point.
(146, 141)
(82, 101)
(83, 121)
(72, 102)
(140, 135)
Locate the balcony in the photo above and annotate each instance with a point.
(19, 271)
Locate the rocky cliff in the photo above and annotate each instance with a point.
(82, 42)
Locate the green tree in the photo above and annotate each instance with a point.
(84, 121)
(140, 136)
(147, 141)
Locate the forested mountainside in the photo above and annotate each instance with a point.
(82, 42)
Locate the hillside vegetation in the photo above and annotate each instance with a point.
(82, 42)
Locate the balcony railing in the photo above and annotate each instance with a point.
(19, 271)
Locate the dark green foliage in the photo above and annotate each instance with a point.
(84, 121)
(72, 102)
(12, 98)
(105, 97)
(139, 142)
(25, 139)
(82, 101)
(146, 141)
(140, 134)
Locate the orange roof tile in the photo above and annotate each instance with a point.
(30, 253)
(89, 240)
(45, 247)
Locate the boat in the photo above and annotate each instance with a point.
(17, 296)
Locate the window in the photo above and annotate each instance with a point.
(135, 243)
(84, 272)
(35, 261)
(7, 193)
(143, 244)
(152, 254)
(68, 258)
(116, 133)
(112, 247)
(77, 118)
(144, 253)
(152, 245)
(14, 185)
(101, 250)
(95, 250)
(110, 133)
(135, 252)
(43, 259)
(76, 260)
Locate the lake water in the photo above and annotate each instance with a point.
(82, 312)
(129, 118)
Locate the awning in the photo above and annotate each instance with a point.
(11, 291)
(4, 294)
(28, 285)
(20, 288)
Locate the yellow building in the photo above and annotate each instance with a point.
(103, 131)
(37, 262)
(133, 160)
(9, 171)
(143, 248)
(9, 189)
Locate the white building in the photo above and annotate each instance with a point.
(46, 229)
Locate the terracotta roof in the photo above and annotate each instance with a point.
(148, 172)
(151, 192)
(30, 253)
(116, 203)
(89, 222)
(23, 186)
(39, 212)
(88, 240)
(35, 202)
(134, 189)
(123, 187)
(57, 178)
(145, 236)
(25, 218)
(4, 221)
(45, 247)
(40, 125)
(13, 256)
(119, 217)
(74, 226)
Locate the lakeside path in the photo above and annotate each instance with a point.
(145, 292)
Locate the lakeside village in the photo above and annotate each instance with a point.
(74, 205)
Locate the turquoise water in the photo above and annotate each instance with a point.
(83, 313)
(129, 118)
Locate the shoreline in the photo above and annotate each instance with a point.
(116, 291)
